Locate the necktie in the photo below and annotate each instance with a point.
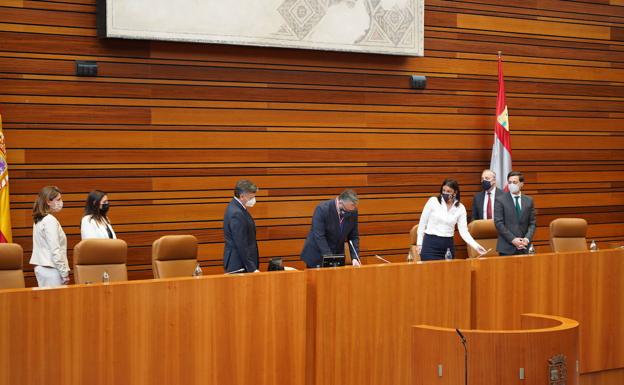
(517, 206)
(488, 212)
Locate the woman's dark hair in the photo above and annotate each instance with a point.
(452, 183)
(92, 206)
(41, 207)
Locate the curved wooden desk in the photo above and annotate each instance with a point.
(545, 345)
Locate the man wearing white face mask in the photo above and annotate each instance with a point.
(49, 242)
(239, 230)
(514, 217)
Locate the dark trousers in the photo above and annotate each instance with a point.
(434, 247)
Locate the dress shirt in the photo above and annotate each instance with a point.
(485, 202)
(438, 219)
(241, 203)
(513, 198)
(50, 245)
(90, 228)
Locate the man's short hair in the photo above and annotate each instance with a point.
(349, 195)
(244, 186)
(516, 173)
(488, 170)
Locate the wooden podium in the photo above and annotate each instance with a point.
(345, 325)
(544, 351)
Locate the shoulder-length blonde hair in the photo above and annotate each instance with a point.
(41, 207)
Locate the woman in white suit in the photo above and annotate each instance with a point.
(95, 222)
(49, 254)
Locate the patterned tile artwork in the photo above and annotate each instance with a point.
(377, 26)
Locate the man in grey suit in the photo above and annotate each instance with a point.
(483, 201)
(514, 217)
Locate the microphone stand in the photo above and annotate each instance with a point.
(355, 252)
(463, 341)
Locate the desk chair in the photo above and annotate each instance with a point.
(92, 257)
(174, 256)
(484, 232)
(11, 260)
(568, 234)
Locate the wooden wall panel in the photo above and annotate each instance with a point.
(167, 128)
(361, 318)
(563, 284)
(158, 332)
(608, 377)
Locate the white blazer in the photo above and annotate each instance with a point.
(90, 228)
(50, 245)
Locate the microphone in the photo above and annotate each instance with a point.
(463, 341)
(236, 271)
(355, 252)
(385, 260)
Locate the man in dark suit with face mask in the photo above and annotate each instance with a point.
(239, 230)
(334, 222)
(514, 217)
(483, 201)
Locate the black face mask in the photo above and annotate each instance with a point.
(486, 185)
(344, 213)
(104, 208)
(446, 196)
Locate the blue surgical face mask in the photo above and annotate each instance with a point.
(513, 188)
(486, 185)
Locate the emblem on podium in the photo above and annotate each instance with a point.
(557, 370)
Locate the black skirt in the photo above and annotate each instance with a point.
(434, 247)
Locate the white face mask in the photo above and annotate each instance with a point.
(56, 206)
(513, 188)
(251, 202)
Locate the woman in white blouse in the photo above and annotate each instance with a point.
(437, 224)
(95, 223)
(49, 253)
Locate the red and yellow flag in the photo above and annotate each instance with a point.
(501, 150)
(5, 213)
